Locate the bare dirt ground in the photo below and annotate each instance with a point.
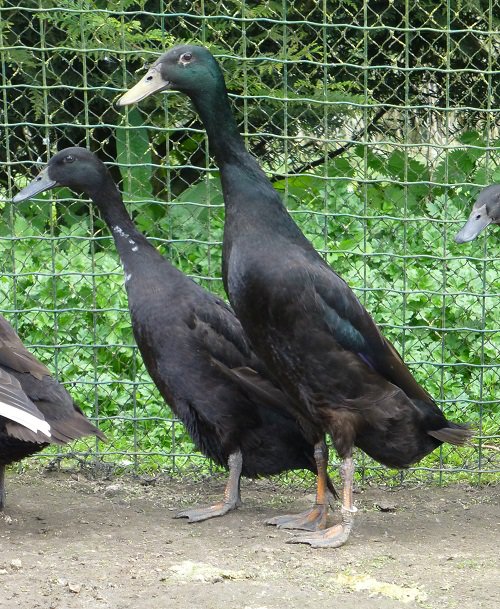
(70, 543)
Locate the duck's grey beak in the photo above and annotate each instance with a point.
(41, 183)
(478, 221)
(151, 83)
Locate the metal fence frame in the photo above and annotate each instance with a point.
(58, 268)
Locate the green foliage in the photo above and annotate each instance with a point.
(375, 122)
(134, 158)
(425, 292)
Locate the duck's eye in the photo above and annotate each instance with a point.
(186, 57)
(69, 159)
(478, 216)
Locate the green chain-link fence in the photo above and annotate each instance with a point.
(378, 121)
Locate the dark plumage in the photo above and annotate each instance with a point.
(343, 377)
(193, 346)
(485, 211)
(35, 409)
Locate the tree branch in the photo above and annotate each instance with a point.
(333, 153)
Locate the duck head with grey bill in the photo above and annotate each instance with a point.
(486, 210)
(183, 68)
(72, 167)
(40, 184)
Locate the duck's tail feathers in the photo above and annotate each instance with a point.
(20, 432)
(453, 434)
(71, 426)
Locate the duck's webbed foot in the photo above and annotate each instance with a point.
(335, 536)
(313, 519)
(204, 513)
(232, 498)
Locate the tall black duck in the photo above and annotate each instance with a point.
(342, 376)
(485, 211)
(194, 348)
(35, 410)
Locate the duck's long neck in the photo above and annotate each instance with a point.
(131, 244)
(249, 196)
(225, 140)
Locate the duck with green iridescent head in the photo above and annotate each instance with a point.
(342, 376)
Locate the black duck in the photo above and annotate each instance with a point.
(194, 348)
(342, 376)
(35, 410)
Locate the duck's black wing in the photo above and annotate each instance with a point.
(37, 394)
(24, 420)
(231, 353)
(356, 331)
(269, 430)
(14, 355)
(219, 329)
